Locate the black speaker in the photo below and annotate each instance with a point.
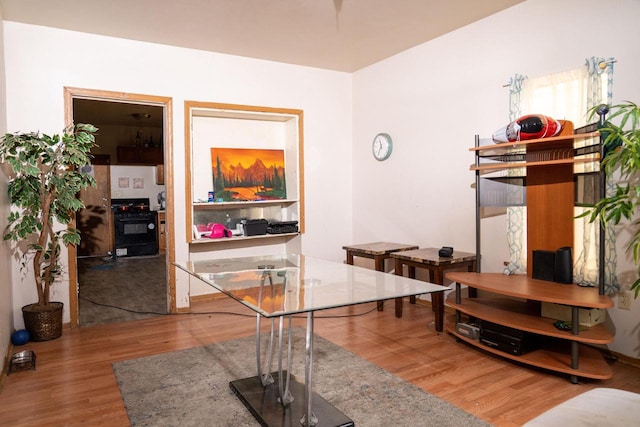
(563, 270)
(543, 265)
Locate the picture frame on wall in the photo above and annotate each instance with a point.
(248, 174)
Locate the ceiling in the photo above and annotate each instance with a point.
(341, 35)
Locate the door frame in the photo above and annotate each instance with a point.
(71, 93)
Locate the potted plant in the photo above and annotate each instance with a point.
(621, 139)
(45, 177)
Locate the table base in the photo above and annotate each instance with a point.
(263, 404)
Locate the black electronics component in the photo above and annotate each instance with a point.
(553, 266)
(563, 271)
(445, 252)
(254, 227)
(543, 265)
(509, 340)
(281, 227)
(468, 330)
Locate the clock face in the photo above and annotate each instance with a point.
(382, 146)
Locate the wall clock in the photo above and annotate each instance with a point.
(382, 146)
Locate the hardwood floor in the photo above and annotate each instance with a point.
(74, 384)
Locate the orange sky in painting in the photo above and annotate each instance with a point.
(247, 156)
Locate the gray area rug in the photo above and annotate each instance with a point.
(191, 388)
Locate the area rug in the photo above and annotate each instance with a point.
(191, 388)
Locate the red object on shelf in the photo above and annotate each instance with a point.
(531, 126)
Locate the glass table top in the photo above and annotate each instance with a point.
(278, 285)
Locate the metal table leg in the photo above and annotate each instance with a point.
(309, 418)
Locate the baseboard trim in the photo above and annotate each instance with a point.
(627, 360)
(206, 297)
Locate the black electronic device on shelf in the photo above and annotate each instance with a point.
(504, 338)
(254, 227)
(281, 227)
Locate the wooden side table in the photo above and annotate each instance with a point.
(429, 259)
(378, 251)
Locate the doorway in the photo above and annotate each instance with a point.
(101, 284)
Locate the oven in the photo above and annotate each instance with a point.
(135, 227)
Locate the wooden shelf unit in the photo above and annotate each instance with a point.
(554, 358)
(567, 133)
(507, 301)
(514, 301)
(242, 126)
(239, 239)
(549, 165)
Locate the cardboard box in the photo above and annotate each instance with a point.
(586, 316)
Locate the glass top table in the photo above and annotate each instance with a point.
(300, 283)
(279, 286)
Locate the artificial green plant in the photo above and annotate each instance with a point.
(621, 139)
(46, 176)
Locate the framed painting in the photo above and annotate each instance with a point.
(248, 174)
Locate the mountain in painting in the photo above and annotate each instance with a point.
(256, 174)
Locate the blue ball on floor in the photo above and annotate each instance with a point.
(20, 337)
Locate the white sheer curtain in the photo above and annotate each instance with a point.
(562, 96)
(516, 215)
(566, 95)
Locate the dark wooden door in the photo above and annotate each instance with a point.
(94, 221)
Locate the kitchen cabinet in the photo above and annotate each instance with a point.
(140, 155)
(160, 174)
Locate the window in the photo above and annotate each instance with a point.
(566, 95)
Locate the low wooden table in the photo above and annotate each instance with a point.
(429, 259)
(378, 251)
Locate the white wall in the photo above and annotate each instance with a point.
(6, 313)
(137, 182)
(434, 98)
(95, 62)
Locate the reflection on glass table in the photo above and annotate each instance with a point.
(279, 286)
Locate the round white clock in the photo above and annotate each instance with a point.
(382, 146)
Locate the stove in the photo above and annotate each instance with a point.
(130, 206)
(135, 227)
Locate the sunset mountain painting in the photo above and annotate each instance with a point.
(247, 174)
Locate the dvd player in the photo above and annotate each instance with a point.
(509, 340)
(281, 227)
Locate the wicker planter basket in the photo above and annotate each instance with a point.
(43, 323)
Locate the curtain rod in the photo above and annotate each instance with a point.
(602, 65)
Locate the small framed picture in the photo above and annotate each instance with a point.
(138, 182)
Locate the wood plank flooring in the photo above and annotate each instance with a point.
(74, 384)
